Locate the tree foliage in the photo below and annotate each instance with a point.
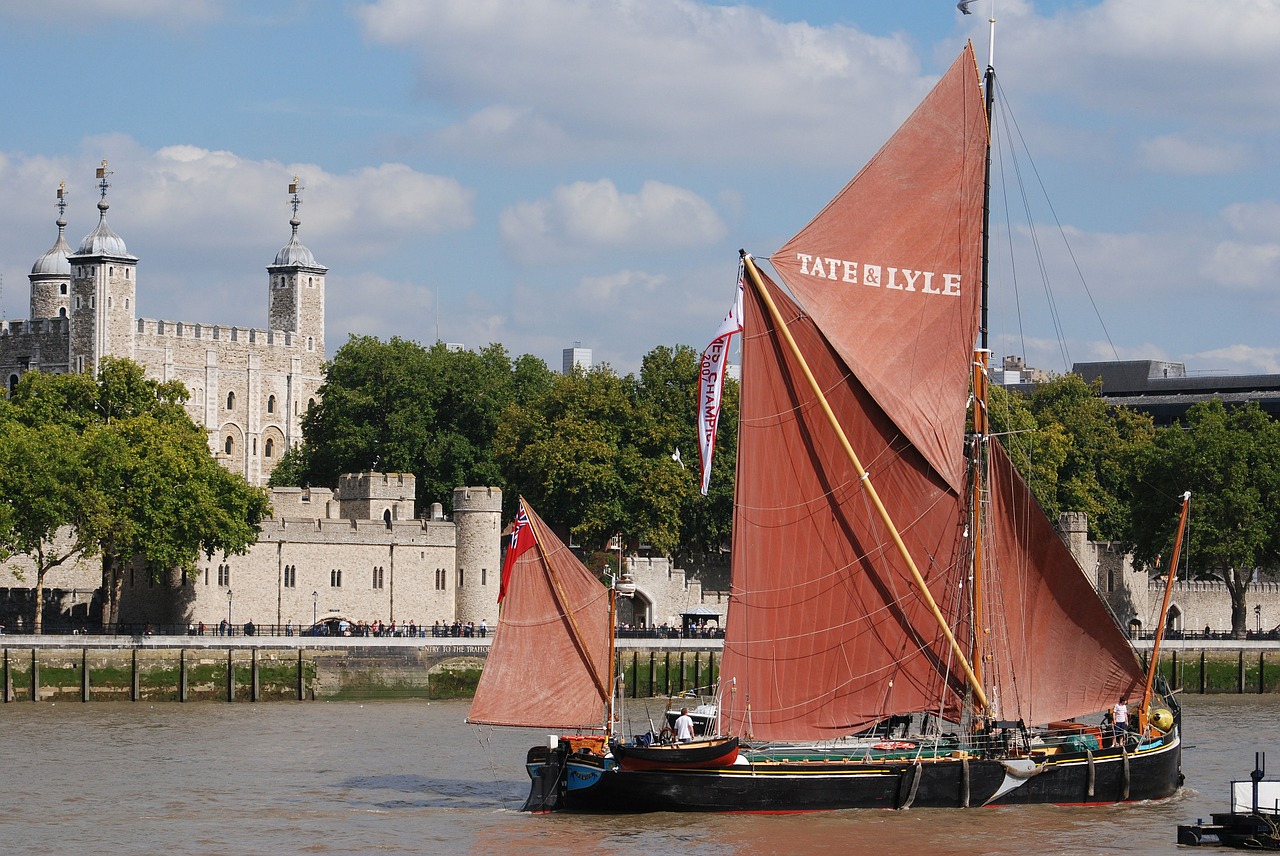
(399, 407)
(119, 465)
(1074, 450)
(1230, 461)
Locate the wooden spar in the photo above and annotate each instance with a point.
(573, 624)
(883, 513)
(1144, 712)
(613, 681)
(980, 431)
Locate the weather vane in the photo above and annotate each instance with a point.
(103, 184)
(62, 199)
(295, 187)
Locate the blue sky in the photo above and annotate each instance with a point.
(545, 172)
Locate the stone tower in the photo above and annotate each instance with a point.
(51, 274)
(103, 285)
(477, 519)
(377, 496)
(295, 303)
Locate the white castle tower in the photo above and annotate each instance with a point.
(51, 274)
(103, 286)
(295, 301)
(477, 518)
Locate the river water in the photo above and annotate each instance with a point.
(411, 777)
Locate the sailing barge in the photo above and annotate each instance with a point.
(889, 563)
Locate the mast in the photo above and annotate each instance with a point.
(620, 586)
(1144, 708)
(981, 366)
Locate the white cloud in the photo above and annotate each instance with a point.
(658, 78)
(1179, 155)
(1182, 60)
(1239, 265)
(578, 220)
(625, 284)
(1240, 359)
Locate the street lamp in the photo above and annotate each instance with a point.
(315, 606)
(229, 625)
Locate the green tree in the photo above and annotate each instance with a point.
(139, 482)
(42, 473)
(563, 451)
(1230, 461)
(1100, 445)
(399, 407)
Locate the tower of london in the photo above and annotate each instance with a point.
(249, 387)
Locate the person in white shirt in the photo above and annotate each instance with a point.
(684, 726)
(1120, 719)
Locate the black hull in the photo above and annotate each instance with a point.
(1069, 779)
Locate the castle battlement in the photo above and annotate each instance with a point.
(214, 332)
(1212, 586)
(39, 327)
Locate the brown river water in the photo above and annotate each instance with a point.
(412, 777)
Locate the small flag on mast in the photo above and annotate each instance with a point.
(711, 381)
(521, 539)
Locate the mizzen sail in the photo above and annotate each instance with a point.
(549, 664)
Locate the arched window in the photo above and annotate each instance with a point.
(311, 402)
(268, 447)
(228, 446)
(311, 344)
(271, 404)
(62, 312)
(231, 401)
(13, 384)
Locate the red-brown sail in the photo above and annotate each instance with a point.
(1057, 651)
(549, 664)
(890, 269)
(826, 632)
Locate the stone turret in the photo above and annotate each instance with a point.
(376, 496)
(295, 300)
(103, 286)
(51, 274)
(477, 518)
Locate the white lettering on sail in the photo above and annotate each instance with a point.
(877, 276)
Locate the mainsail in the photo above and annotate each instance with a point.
(549, 664)
(827, 632)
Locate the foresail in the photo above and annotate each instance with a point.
(890, 270)
(1057, 651)
(549, 666)
(826, 632)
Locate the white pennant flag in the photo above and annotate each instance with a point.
(711, 381)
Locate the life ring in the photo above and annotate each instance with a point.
(666, 735)
(894, 746)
